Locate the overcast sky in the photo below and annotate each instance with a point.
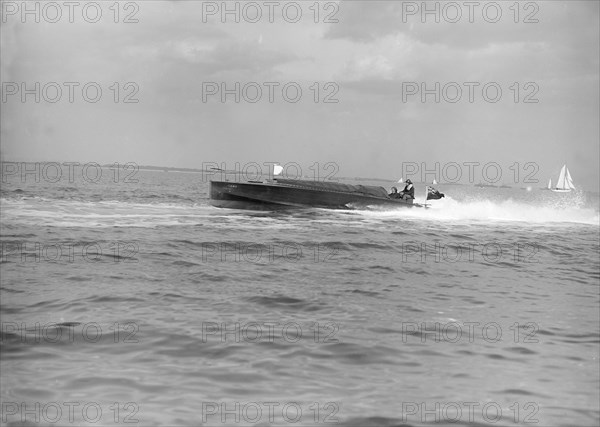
(374, 56)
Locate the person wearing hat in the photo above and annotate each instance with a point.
(394, 194)
(408, 192)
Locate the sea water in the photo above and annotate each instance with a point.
(138, 302)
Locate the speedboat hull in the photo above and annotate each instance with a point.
(288, 194)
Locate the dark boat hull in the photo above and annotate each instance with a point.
(276, 196)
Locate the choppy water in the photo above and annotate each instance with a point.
(140, 302)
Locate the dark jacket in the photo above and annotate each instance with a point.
(409, 190)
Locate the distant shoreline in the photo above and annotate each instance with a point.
(216, 172)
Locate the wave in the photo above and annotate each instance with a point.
(71, 213)
(548, 212)
(114, 213)
(541, 208)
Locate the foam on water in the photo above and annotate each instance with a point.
(542, 208)
(102, 214)
(184, 263)
(553, 211)
(69, 213)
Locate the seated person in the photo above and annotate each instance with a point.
(394, 194)
(408, 192)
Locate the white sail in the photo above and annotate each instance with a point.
(569, 180)
(560, 184)
(277, 169)
(550, 184)
(434, 182)
(400, 181)
(565, 182)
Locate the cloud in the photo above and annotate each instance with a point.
(458, 25)
(368, 55)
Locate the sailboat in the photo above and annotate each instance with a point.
(434, 182)
(564, 183)
(400, 181)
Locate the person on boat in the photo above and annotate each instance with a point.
(408, 192)
(394, 194)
